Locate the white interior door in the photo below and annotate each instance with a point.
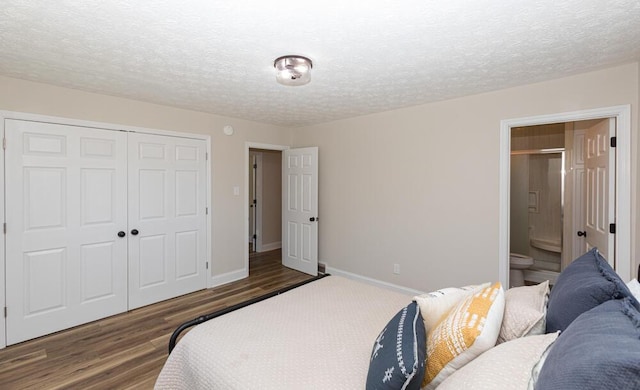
(600, 182)
(300, 209)
(167, 217)
(65, 204)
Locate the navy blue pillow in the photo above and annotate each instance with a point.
(398, 356)
(583, 285)
(599, 350)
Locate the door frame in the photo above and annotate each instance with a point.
(247, 146)
(257, 195)
(107, 126)
(622, 239)
(253, 188)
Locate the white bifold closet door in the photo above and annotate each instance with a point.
(66, 202)
(98, 222)
(167, 220)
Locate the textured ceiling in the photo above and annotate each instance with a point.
(368, 56)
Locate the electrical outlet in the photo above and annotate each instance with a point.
(396, 269)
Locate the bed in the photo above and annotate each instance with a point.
(325, 329)
(584, 335)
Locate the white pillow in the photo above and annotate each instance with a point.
(525, 310)
(508, 366)
(434, 305)
(535, 372)
(469, 329)
(634, 287)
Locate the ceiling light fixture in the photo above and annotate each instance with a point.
(293, 70)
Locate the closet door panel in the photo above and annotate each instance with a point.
(167, 182)
(65, 202)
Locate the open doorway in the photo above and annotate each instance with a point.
(263, 250)
(562, 196)
(265, 200)
(620, 202)
(298, 244)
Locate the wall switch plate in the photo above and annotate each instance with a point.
(396, 269)
(236, 190)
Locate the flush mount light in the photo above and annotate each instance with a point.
(293, 70)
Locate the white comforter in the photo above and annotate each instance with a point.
(318, 336)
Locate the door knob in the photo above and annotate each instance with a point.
(121, 233)
(134, 232)
(313, 219)
(582, 234)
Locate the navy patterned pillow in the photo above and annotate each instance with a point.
(398, 356)
(599, 350)
(586, 283)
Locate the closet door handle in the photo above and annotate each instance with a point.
(121, 234)
(582, 234)
(134, 232)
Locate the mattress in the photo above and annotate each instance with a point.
(318, 336)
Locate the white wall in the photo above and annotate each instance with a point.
(420, 186)
(228, 152)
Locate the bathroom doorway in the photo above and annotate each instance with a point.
(552, 145)
(549, 221)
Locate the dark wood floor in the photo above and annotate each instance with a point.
(128, 350)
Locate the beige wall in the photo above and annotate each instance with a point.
(420, 186)
(228, 152)
(538, 137)
(417, 186)
(271, 197)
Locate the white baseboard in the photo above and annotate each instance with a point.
(271, 246)
(219, 280)
(375, 282)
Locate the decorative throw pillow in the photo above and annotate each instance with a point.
(469, 329)
(524, 311)
(434, 305)
(634, 287)
(505, 367)
(398, 356)
(599, 350)
(583, 285)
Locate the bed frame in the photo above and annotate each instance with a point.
(176, 333)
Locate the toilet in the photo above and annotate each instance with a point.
(518, 263)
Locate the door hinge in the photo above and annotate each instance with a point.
(255, 236)
(206, 156)
(4, 228)
(255, 165)
(207, 265)
(4, 143)
(255, 201)
(613, 141)
(612, 228)
(206, 210)
(5, 312)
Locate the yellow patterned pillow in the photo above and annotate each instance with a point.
(470, 328)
